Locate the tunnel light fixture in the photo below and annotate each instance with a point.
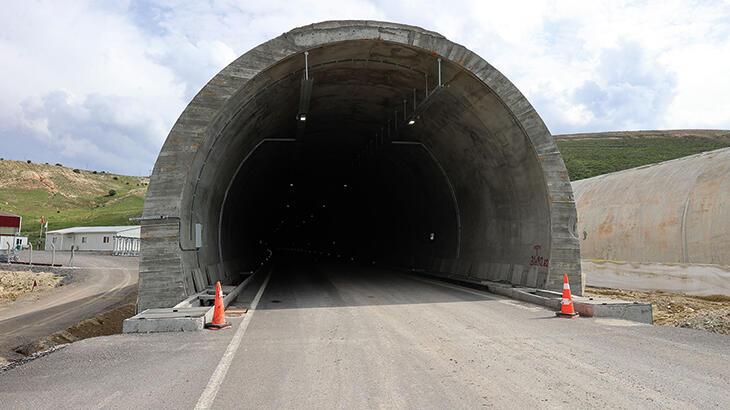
(411, 121)
(432, 237)
(302, 117)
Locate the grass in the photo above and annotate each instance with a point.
(588, 157)
(75, 198)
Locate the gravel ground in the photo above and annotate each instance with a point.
(710, 313)
(14, 284)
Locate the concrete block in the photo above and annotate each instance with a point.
(167, 320)
(636, 312)
(516, 274)
(479, 270)
(463, 267)
(504, 273)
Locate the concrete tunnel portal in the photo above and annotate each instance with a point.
(370, 140)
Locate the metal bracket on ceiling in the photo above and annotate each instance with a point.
(418, 109)
(386, 137)
(305, 95)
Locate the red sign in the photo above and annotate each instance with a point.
(9, 221)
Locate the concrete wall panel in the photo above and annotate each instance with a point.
(673, 212)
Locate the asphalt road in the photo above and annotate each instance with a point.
(100, 283)
(330, 336)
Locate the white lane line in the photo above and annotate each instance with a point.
(491, 296)
(455, 287)
(216, 379)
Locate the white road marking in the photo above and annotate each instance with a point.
(456, 287)
(216, 379)
(486, 294)
(521, 305)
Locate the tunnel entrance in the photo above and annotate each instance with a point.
(368, 140)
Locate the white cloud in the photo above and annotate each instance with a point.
(86, 80)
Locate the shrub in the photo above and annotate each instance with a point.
(112, 192)
(76, 170)
(28, 161)
(59, 164)
(115, 178)
(94, 172)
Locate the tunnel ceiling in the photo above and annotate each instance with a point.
(389, 165)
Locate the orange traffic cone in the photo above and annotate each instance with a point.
(219, 311)
(566, 305)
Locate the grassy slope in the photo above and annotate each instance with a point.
(67, 198)
(588, 155)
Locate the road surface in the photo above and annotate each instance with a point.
(333, 336)
(100, 283)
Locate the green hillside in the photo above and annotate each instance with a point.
(588, 155)
(68, 197)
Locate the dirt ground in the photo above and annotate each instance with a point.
(710, 313)
(16, 284)
(106, 323)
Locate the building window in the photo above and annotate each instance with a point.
(18, 241)
(106, 239)
(83, 239)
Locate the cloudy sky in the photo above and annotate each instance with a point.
(99, 84)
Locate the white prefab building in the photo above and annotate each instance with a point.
(120, 240)
(14, 242)
(10, 232)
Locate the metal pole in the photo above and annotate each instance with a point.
(414, 100)
(53, 254)
(30, 258)
(8, 243)
(71, 259)
(404, 110)
(306, 65)
(425, 96)
(439, 61)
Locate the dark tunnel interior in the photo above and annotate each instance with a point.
(390, 207)
(373, 151)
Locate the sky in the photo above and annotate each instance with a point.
(99, 84)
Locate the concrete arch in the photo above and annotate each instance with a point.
(672, 212)
(478, 167)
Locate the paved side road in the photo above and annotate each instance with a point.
(100, 283)
(327, 336)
